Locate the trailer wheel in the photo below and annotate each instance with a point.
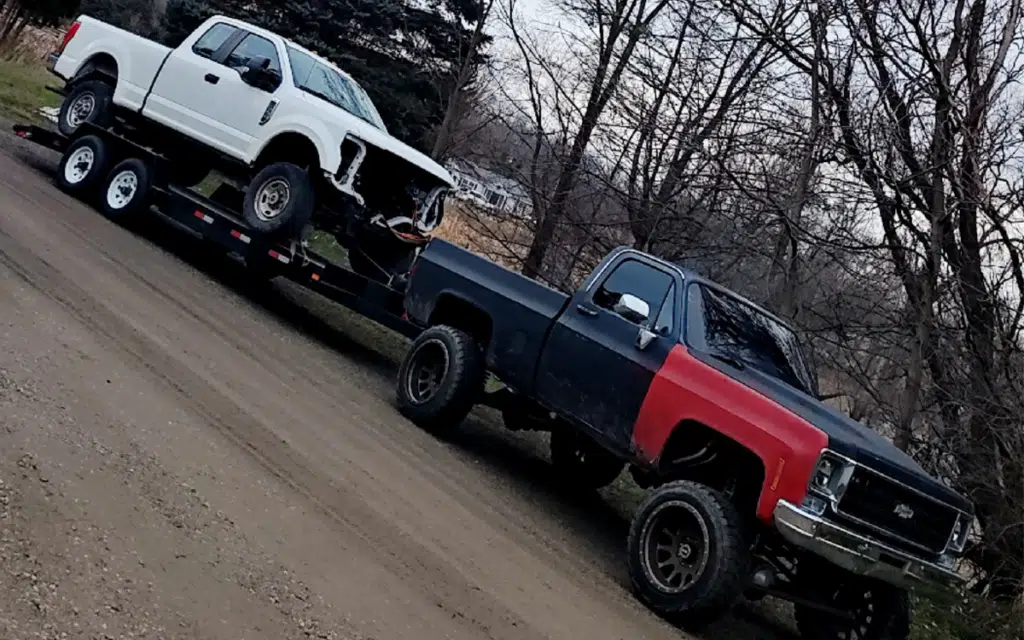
(689, 558)
(126, 189)
(279, 200)
(441, 378)
(90, 101)
(580, 462)
(83, 165)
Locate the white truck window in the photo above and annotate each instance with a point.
(254, 46)
(213, 40)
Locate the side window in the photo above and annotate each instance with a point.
(254, 46)
(651, 286)
(302, 66)
(213, 40)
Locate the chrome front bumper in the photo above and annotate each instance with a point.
(857, 553)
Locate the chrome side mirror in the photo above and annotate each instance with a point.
(632, 308)
(645, 338)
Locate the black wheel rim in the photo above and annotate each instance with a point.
(863, 622)
(675, 545)
(427, 370)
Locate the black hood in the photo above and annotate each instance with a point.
(845, 435)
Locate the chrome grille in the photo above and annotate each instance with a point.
(877, 505)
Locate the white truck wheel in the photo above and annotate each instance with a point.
(280, 200)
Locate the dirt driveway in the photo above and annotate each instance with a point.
(180, 458)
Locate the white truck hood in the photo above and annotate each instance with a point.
(375, 137)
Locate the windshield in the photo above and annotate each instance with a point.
(726, 327)
(318, 79)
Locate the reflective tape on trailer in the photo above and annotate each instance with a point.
(202, 216)
(240, 236)
(280, 258)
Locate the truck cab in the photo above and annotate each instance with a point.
(711, 401)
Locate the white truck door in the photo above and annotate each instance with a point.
(244, 108)
(190, 86)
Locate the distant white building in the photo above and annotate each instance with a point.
(488, 190)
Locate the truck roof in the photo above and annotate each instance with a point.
(693, 276)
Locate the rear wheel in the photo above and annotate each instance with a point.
(280, 200)
(580, 462)
(441, 378)
(688, 554)
(83, 165)
(90, 101)
(125, 192)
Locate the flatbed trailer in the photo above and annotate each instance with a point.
(218, 224)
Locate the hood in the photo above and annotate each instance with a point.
(845, 435)
(375, 137)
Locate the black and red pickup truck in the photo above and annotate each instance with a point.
(757, 487)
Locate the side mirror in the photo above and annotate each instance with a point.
(257, 73)
(632, 308)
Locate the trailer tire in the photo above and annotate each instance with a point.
(89, 101)
(83, 164)
(125, 192)
(280, 200)
(441, 378)
(709, 549)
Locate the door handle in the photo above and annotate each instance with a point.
(212, 79)
(585, 310)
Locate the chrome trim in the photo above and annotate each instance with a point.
(835, 501)
(856, 552)
(611, 259)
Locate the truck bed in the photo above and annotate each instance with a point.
(522, 311)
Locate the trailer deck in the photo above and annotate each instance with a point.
(216, 223)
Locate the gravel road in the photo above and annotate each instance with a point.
(183, 457)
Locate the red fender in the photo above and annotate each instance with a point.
(687, 389)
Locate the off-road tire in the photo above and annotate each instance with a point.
(95, 173)
(297, 211)
(102, 113)
(134, 204)
(581, 463)
(727, 569)
(891, 622)
(459, 388)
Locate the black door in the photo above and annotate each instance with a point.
(593, 368)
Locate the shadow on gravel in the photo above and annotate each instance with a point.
(596, 523)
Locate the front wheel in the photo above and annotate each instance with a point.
(441, 378)
(689, 559)
(580, 462)
(877, 611)
(280, 200)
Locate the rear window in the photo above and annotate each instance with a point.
(211, 41)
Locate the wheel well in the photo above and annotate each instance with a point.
(459, 313)
(290, 147)
(697, 452)
(102, 66)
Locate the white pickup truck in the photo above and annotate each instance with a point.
(296, 133)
